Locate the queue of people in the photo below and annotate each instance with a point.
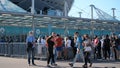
(57, 48)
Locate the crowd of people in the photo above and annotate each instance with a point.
(57, 48)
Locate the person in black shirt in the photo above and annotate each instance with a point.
(106, 46)
(51, 44)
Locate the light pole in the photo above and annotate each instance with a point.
(80, 14)
(65, 8)
(113, 10)
(33, 7)
(32, 12)
(92, 22)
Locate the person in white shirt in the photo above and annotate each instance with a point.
(67, 47)
(68, 43)
(43, 41)
(39, 48)
(44, 49)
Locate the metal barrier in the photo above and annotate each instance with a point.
(19, 50)
(13, 49)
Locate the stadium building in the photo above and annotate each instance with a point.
(18, 17)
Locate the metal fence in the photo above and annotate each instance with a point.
(13, 49)
(19, 50)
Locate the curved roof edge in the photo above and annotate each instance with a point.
(41, 4)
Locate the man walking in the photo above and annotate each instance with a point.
(78, 45)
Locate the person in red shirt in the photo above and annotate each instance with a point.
(59, 43)
(95, 42)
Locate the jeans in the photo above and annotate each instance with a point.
(55, 56)
(87, 57)
(77, 55)
(31, 53)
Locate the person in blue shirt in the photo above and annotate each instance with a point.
(79, 47)
(30, 40)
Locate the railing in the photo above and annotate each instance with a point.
(18, 50)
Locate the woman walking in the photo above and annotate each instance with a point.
(87, 50)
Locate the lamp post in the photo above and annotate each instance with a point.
(32, 12)
(80, 14)
(113, 10)
(65, 8)
(33, 7)
(92, 22)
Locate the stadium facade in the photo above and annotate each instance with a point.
(50, 16)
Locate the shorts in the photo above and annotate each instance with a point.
(59, 48)
(118, 47)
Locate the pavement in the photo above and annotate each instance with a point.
(9, 62)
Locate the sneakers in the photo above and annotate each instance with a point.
(90, 65)
(29, 64)
(84, 66)
(48, 65)
(71, 64)
(54, 64)
(34, 64)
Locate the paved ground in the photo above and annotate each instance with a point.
(6, 62)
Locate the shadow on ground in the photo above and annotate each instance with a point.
(69, 67)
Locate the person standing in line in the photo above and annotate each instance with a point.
(99, 49)
(44, 48)
(118, 47)
(115, 48)
(95, 43)
(50, 42)
(30, 40)
(39, 48)
(59, 43)
(79, 47)
(67, 48)
(102, 48)
(106, 46)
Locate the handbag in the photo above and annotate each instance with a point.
(30, 44)
(87, 48)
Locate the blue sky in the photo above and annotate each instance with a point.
(84, 7)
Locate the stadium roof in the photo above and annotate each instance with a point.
(8, 6)
(41, 4)
(27, 20)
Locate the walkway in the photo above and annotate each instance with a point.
(6, 62)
